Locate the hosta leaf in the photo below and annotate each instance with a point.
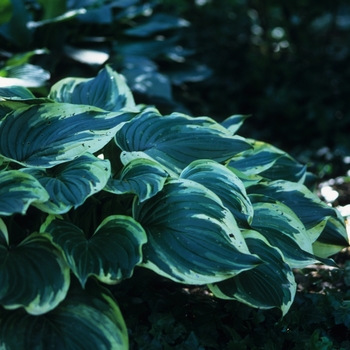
(110, 254)
(33, 274)
(225, 184)
(142, 177)
(107, 90)
(87, 319)
(192, 237)
(175, 141)
(16, 92)
(283, 229)
(253, 161)
(329, 242)
(312, 212)
(269, 285)
(52, 133)
(69, 184)
(18, 191)
(234, 122)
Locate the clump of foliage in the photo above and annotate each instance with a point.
(93, 187)
(53, 39)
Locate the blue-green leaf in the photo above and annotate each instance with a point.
(312, 212)
(110, 254)
(87, 319)
(18, 191)
(234, 122)
(225, 184)
(142, 177)
(175, 141)
(52, 133)
(33, 275)
(69, 184)
(107, 91)
(284, 230)
(269, 285)
(192, 237)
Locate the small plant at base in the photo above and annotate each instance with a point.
(93, 186)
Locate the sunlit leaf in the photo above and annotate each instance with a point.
(110, 254)
(107, 91)
(234, 122)
(33, 274)
(192, 237)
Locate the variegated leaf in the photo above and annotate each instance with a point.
(269, 285)
(142, 177)
(87, 319)
(110, 254)
(69, 184)
(33, 275)
(108, 91)
(52, 133)
(225, 184)
(192, 237)
(176, 140)
(18, 191)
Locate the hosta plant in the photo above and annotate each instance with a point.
(93, 186)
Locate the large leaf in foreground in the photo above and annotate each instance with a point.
(87, 319)
(108, 90)
(176, 140)
(52, 133)
(269, 285)
(71, 183)
(18, 191)
(110, 254)
(33, 274)
(225, 184)
(142, 177)
(192, 237)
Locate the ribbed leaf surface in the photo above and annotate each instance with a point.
(87, 319)
(269, 285)
(110, 254)
(18, 191)
(33, 274)
(175, 141)
(142, 177)
(71, 183)
(283, 229)
(52, 133)
(225, 184)
(107, 91)
(192, 237)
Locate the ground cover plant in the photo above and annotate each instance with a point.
(100, 197)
